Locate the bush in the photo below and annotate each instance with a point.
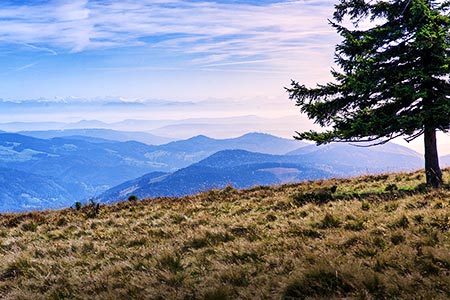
(133, 198)
(78, 205)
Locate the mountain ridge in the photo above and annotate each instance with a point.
(244, 169)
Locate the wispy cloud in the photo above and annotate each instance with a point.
(214, 32)
(43, 49)
(27, 66)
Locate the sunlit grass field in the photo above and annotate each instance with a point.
(371, 237)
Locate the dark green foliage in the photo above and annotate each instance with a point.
(61, 222)
(132, 198)
(78, 205)
(91, 210)
(210, 239)
(393, 78)
(357, 225)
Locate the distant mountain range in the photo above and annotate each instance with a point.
(61, 167)
(100, 134)
(242, 169)
(174, 129)
(80, 167)
(345, 157)
(237, 168)
(445, 161)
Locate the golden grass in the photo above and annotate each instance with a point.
(374, 237)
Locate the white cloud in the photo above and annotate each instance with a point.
(282, 33)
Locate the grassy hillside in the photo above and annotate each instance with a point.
(372, 237)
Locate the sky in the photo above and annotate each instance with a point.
(183, 50)
(175, 49)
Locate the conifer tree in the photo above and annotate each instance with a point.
(393, 78)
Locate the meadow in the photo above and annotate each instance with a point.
(371, 237)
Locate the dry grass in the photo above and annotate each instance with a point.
(372, 237)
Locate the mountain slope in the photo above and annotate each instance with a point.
(87, 166)
(298, 241)
(83, 168)
(389, 157)
(20, 191)
(254, 142)
(237, 168)
(243, 169)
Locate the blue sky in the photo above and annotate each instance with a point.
(186, 50)
(178, 49)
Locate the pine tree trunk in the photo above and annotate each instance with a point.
(432, 169)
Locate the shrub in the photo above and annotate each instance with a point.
(61, 222)
(311, 233)
(303, 214)
(93, 209)
(391, 207)
(133, 198)
(209, 239)
(78, 205)
(271, 218)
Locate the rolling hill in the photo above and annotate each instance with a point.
(370, 237)
(244, 169)
(86, 166)
(21, 191)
